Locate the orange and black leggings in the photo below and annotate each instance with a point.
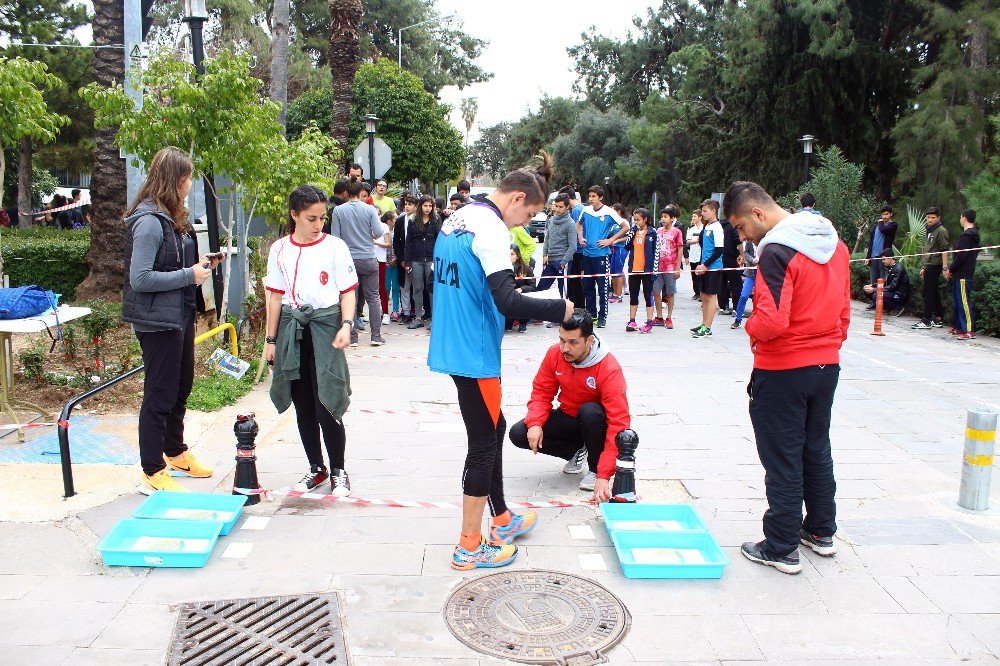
(479, 401)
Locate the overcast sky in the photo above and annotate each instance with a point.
(527, 49)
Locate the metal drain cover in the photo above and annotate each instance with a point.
(537, 617)
(301, 629)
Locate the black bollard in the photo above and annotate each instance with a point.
(623, 489)
(246, 461)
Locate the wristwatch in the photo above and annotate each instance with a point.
(349, 322)
(271, 340)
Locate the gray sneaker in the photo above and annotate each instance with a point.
(577, 463)
(589, 481)
(378, 341)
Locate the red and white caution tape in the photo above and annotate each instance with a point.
(22, 426)
(415, 504)
(394, 411)
(266, 494)
(78, 204)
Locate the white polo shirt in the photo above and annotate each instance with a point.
(314, 274)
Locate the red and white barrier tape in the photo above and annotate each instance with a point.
(415, 504)
(265, 494)
(55, 210)
(22, 426)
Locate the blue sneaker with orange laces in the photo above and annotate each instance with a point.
(486, 556)
(520, 523)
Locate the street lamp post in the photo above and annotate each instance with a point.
(370, 129)
(430, 20)
(807, 141)
(195, 15)
(607, 188)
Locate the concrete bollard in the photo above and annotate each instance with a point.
(977, 462)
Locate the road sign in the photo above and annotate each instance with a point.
(383, 157)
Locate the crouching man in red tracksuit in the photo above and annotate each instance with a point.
(592, 410)
(802, 311)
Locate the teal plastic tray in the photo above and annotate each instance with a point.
(164, 505)
(138, 542)
(650, 517)
(664, 554)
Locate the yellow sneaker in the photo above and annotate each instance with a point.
(160, 481)
(188, 464)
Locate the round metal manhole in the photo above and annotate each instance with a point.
(537, 617)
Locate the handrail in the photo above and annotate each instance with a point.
(62, 424)
(234, 345)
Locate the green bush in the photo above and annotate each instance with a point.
(51, 258)
(218, 390)
(985, 294)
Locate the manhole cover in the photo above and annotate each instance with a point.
(302, 629)
(537, 617)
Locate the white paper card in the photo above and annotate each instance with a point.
(255, 523)
(668, 556)
(668, 525)
(170, 544)
(198, 514)
(237, 550)
(592, 562)
(584, 532)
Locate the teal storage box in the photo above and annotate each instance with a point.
(650, 517)
(140, 542)
(163, 505)
(664, 554)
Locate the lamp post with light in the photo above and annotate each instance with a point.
(370, 129)
(807, 141)
(195, 15)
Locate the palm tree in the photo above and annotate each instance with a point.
(469, 107)
(343, 55)
(107, 182)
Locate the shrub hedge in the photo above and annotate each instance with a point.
(51, 258)
(985, 294)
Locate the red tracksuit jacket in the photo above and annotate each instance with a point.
(801, 308)
(603, 383)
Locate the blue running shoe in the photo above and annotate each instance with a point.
(486, 556)
(520, 523)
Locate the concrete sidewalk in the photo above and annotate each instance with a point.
(915, 579)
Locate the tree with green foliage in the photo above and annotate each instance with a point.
(439, 53)
(424, 143)
(489, 156)
(24, 115)
(590, 151)
(26, 22)
(538, 130)
(983, 194)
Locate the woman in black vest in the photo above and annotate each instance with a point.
(162, 274)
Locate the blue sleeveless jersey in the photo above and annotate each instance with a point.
(467, 327)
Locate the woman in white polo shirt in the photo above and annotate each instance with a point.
(310, 282)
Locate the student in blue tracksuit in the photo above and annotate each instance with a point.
(599, 227)
(474, 290)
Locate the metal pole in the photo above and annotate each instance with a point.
(400, 43)
(805, 168)
(977, 461)
(211, 208)
(133, 37)
(371, 157)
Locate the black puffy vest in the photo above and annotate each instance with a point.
(158, 309)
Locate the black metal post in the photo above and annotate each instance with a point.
(371, 157)
(211, 209)
(805, 168)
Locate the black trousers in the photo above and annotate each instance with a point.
(732, 285)
(932, 293)
(169, 360)
(311, 415)
(695, 278)
(634, 282)
(790, 411)
(574, 286)
(479, 401)
(563, 435)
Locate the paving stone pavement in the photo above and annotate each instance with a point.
(915, 579)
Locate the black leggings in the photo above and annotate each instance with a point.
(647, 289)
(479, 401)
(311, 415)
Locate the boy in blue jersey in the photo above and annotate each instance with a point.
(599, 227)
(713, 241)
(474, 290)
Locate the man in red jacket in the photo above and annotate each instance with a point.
(802, 309)
(593, 407)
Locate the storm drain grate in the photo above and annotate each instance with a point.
(293, 630)
(537, 617)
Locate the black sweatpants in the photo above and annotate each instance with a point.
(732, 285)
(695, 278)
(790, 411)
(932, 293)
(563, 435)
(479, 401)
(168, 357)
(574, 286)
(646, 281)
(311, 415)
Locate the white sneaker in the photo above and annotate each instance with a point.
(577, 463)
(340, 483)
(589, 481)
(385, 320)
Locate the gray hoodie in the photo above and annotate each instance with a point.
(810, 233)
(596, 355)
(560, 238)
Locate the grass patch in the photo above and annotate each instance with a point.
(217, 390)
